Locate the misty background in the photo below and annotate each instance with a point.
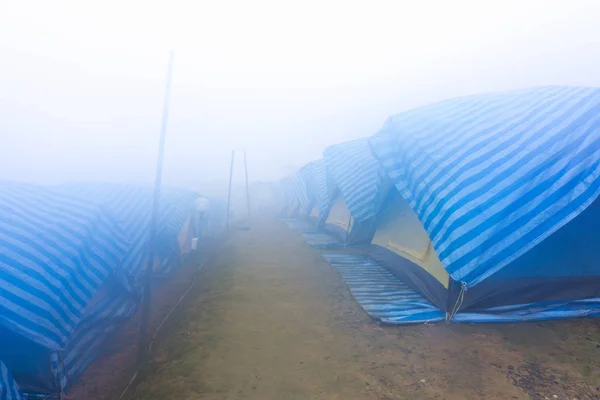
(82, 82)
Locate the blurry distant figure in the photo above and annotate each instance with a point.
(202, 210)
(202, 204)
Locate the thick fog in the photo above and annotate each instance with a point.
(82, 82)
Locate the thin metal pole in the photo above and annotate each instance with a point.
(143, 344)
(247, 188)
(229, 192)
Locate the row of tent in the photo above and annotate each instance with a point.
(72, 263)
(485, 205)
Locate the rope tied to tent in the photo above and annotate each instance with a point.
(459, 302)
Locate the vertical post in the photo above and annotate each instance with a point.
(143, 344)
(247, 188)
(229, 192)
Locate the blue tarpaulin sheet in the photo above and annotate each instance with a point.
(382, 295)
(319, 240)
(388, 300)
(9, 389)
(491, 176)
(358, 176)
(70, 260)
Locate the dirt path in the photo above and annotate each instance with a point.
(271, 320)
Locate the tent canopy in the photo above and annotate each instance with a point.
(561, 272)
(56, 251)
(71, 258)
(295, 194)
(132, 206)
(318, 187)
(491, 176)
(358, 176)
(360, 188)
(306, 177)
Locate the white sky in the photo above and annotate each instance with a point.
(82, 82)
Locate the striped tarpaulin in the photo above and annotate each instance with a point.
(306, 176)
(292, 190)
(320, 240)
(388, 300)
(357, 174)
(9, 390)
(301, 194)
(55, 251)
(118, 300)
(70, 261)
(318, 186)
(324, 189)
(132, 206)
(104, 318)
(491, 176)
(382, 295)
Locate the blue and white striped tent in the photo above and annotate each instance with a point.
(319, 188)
(132, 206)
(491, 176)
(357, 175)
(296, 196)
(55, 254)
(360, 189)
(69, 260)
(504, 185)
(301, 196)
(308, 195)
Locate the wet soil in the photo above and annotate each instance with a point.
(269, 319)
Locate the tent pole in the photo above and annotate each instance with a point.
(229, 192)
(247, 188)
(143, 343)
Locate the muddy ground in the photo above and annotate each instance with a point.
(269, 319)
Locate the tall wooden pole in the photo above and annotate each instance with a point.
(247, 187)
(229, 192)
(143, 344)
